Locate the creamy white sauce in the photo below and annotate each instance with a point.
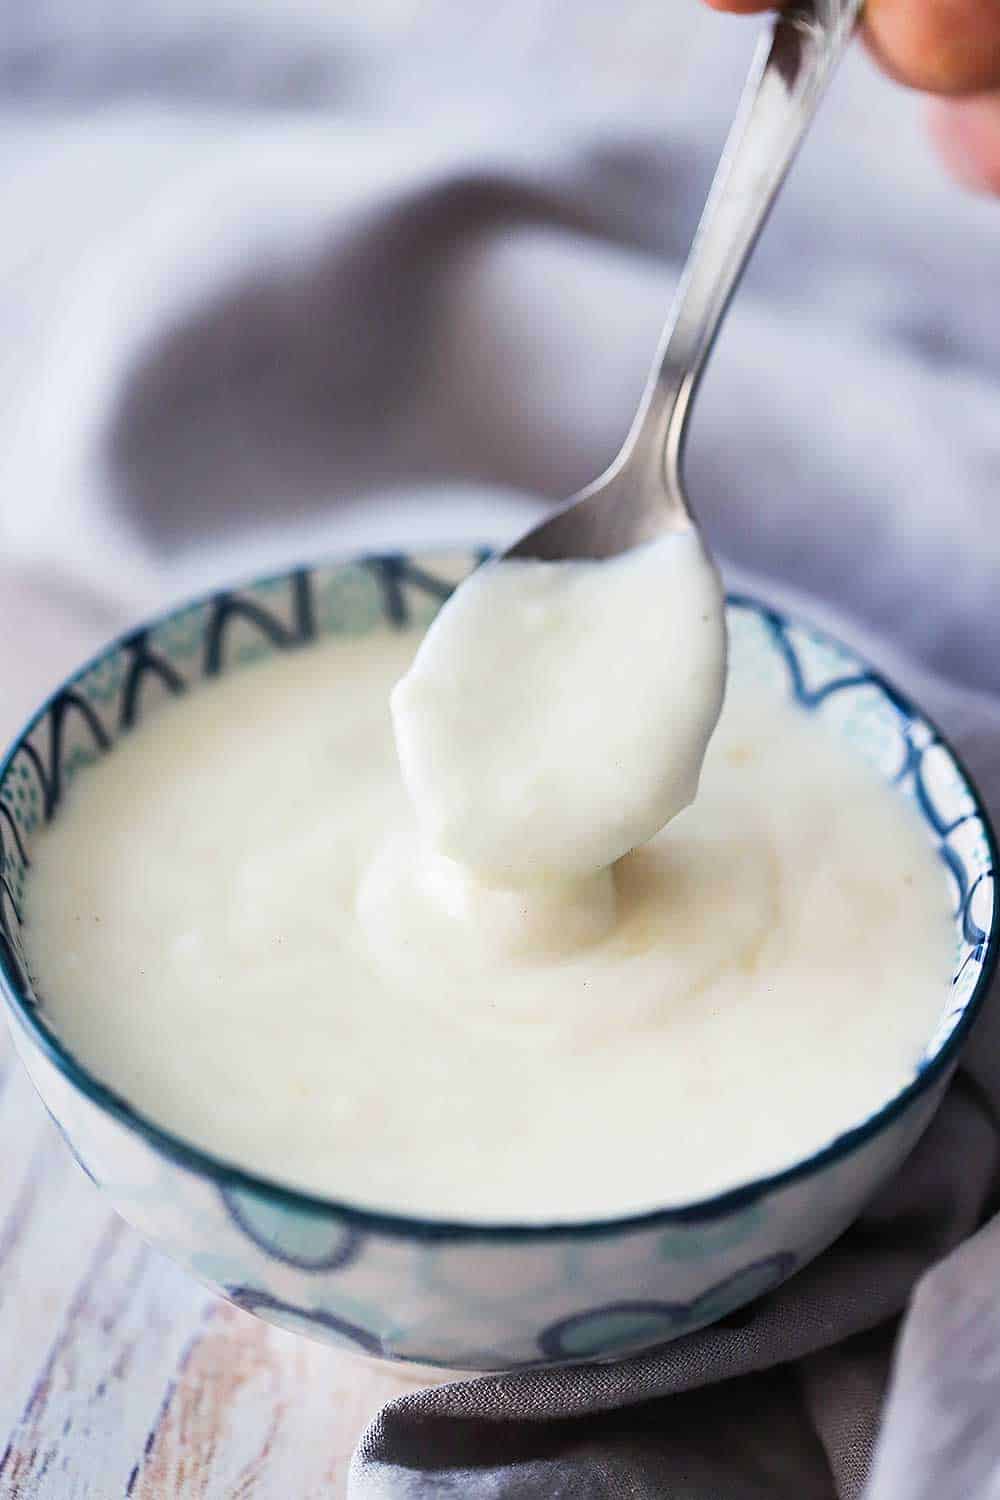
(557, 714)
(229, 922)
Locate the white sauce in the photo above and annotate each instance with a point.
(557, 714)
(229, 923)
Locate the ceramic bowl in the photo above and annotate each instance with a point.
(461, 1295)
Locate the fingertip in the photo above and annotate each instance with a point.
(966, 134)
(741, 7)
(937, 46)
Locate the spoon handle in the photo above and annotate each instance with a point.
(787, 79)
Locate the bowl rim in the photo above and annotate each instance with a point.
(229, 1177)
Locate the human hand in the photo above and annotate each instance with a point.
(949, 48)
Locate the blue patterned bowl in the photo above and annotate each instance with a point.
(461, 1295)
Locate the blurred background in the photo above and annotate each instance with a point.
(283, 280)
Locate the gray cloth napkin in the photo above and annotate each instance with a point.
(393, 278)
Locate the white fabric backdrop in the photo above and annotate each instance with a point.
(165, 162)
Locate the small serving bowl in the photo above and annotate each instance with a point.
(467, 1296)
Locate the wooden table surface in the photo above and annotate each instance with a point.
(120, 1376)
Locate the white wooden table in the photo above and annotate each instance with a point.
(120, 1376)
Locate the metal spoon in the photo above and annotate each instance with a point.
(641, 495)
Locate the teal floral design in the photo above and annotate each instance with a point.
(103, 682)
(77, 760)
(251, 651)
(615, 1331)
(694, 1241)
(181, 636)
(860, 717)
(349, 602)
(309, 1243)
(20, 795)
(738, 1290)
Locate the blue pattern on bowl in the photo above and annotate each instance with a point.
(464, 1295)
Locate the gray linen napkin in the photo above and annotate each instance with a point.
(287, 289)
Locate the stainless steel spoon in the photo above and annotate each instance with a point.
(642, 494)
